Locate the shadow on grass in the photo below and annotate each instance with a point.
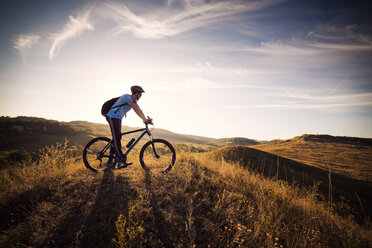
(180, 213)
(97, 228)
(160, 225)
(16, 209)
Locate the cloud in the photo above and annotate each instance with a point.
(311, 106)
(343, 47)
(165, 21)
(169, 21)
(334, 50)
(179, 16)
(301, 47)
(344, 38)
(74, 27)
(22, 42)
(141, 27)
(306, 102)
(292, 47)
(325, 41)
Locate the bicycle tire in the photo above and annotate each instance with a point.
(96, 154)
(164, 162)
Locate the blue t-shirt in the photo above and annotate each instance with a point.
(120, 112)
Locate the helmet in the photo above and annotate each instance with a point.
(136, 89)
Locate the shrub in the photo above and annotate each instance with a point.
(19, 156)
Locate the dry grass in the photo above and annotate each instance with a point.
(199, 203)
(352, 160)
(288, 215)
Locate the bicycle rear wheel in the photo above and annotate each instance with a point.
(157, 156)
(98, 154)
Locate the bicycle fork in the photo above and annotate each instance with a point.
(153, 146)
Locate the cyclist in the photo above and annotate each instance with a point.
(115, 116)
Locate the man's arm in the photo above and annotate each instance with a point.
(138, 111)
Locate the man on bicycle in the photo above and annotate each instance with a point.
(114, 117)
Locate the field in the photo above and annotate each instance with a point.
(309, 191)
(204, 201)
(22, 137)
(342, 155)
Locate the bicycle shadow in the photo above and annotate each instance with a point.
(97, 228)
(112, 200)
(160, 224)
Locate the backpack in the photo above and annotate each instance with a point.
(107, 106)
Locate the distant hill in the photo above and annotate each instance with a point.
(234, 141)
(104, 130)
(326, 139)
(206, 200)
(349, 156)
(180, 138)
(32, 133)
(336, 139)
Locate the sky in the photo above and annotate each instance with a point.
(262, 69)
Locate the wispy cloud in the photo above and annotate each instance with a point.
(323, 41)
(301, 47)
(325, 103)
(170, 21)
(74, 27)
(22, 42)
(127, 21)
(335, 51)
(165, 21)
(309, 106)
(346, 38)
(292, 47)
(343, 47)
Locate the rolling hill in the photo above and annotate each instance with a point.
(233, 141)
(232, 194)
(336, 188)
(201, 202)
(347, 156)
(31, 133)
(22, 137)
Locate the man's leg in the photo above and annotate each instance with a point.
(115, 126)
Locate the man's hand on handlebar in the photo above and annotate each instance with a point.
(148, 121)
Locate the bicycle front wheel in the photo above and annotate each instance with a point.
(98, 154)
(157, 156)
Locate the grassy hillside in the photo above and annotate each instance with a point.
(343, 155)
(22, 137)
(233, 142)
(201, 202)
(339, 189)
(31, 133)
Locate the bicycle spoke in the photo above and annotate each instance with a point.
(97, 154)
(158, 156)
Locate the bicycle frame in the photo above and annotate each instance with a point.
(145, 131)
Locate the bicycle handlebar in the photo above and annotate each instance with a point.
(149, 121)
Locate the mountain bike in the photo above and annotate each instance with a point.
(156, 155)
